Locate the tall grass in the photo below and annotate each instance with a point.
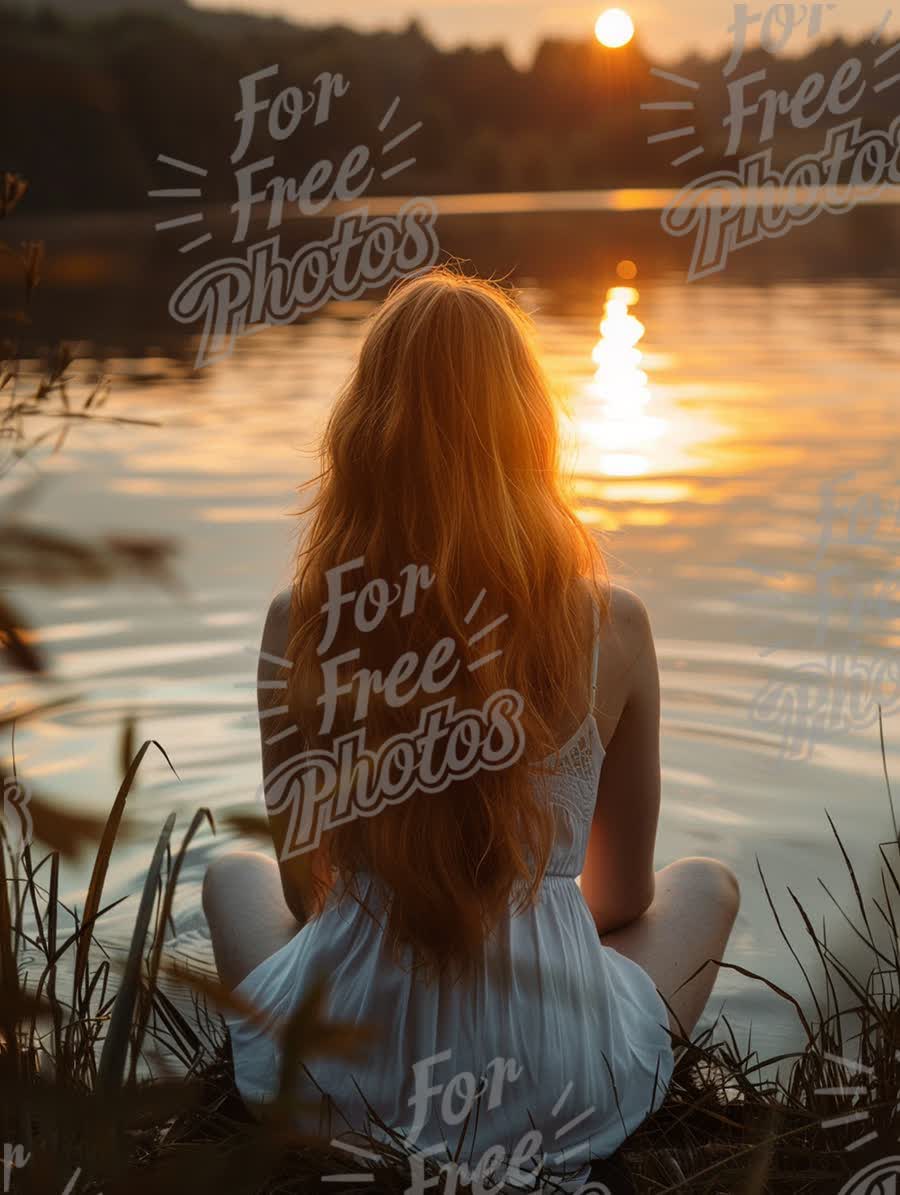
(78, 1035)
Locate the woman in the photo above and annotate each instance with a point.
(460, 717)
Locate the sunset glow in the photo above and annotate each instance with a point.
(614, 28)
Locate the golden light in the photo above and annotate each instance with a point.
(626, 429)
(620, 428)
(614, 28)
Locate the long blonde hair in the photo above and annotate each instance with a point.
(442, 450)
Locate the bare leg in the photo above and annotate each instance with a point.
(687, 924)
(248, 919)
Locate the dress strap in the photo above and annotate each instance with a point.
(596, 656)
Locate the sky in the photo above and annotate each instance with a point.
(667, 28)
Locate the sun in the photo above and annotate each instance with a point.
(614, 28)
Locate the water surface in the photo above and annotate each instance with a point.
(703, 421)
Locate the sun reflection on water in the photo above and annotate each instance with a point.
(625, 427)
(619, 393)
(614, 417)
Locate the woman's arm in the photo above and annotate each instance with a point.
(618, 877)
(275, 638)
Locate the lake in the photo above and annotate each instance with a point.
(734, 441)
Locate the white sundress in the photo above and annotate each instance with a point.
(567, 1037)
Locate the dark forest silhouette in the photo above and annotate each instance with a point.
(87, 105)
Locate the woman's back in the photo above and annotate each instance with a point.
(544, 1002)
(458, 715)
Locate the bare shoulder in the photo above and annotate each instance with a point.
(277, 627)
(626, 633)
(628, 612)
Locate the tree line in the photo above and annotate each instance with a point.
(86, 107)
